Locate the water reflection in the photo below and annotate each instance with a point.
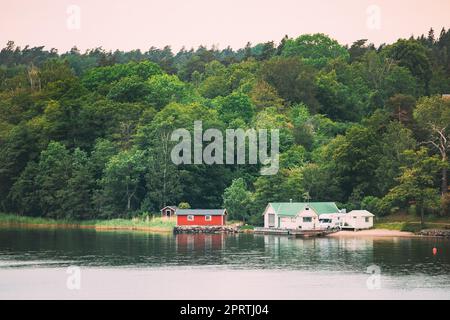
(56, 247)
(199, 242)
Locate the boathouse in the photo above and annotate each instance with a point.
(201, 217)
(297, 215)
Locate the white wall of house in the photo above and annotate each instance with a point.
(305, 220)
(358, 221)
(270, 218)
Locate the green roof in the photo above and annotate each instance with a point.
(293, 208)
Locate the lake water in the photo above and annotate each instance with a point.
(36, 264)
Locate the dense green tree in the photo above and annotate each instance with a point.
(433, 114)
(381, 78)
(78, 193)
(315, 49)
(269, 119)
(237, 200)
(303, 129)
(164, 89)
(101, 78)
(87, 134)
(265, 96)
(358, 49)
(416, 182)
(336, 98)
(120, 182)
(129, 89)
(394, 141)
(235, 106)
(294, 157)
(19, 149)
(54, 171)
(107, 119)
(103, 150)
(414, 56)
(401, 107)
(24, 192)
(196, 62)
(293, 80)
(355, 158)
(162, 177)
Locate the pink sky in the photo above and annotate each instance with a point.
(132, 24)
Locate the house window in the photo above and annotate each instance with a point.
(168, 213)
(307, 219)
(207, 218)
(190, 217)
(271, 220)
(367, 219)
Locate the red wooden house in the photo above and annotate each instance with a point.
(201, 217)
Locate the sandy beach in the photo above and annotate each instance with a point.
(373, 233)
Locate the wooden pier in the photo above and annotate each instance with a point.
(294, 232)
(271, 231)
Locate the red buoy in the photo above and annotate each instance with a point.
(434, 251)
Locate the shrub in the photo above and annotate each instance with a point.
(184, 205)
(372, 204)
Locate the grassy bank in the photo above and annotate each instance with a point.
(153, 224)
(411, 223)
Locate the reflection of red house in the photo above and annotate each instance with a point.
(199, 242)
(201, 217)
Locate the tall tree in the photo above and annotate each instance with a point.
(414, 56)
(237, 199)
(433, 115)
(54, 172)
(121, 180)
(293, 80)
(77, 195)
(416, 182)
(401, 107)
(315, 49)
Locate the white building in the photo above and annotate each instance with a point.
(296, 215)
(358, 219)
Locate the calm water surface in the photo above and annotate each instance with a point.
(33, 264)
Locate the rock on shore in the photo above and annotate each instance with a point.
(435, 233)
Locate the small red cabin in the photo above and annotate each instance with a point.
(168, 211)
(201, 217)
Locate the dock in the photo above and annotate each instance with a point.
(271, 231)
(294, 232)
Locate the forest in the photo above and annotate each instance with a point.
(86, 135)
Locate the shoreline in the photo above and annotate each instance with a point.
(162, 226)
(155, 224)
(85, 226)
